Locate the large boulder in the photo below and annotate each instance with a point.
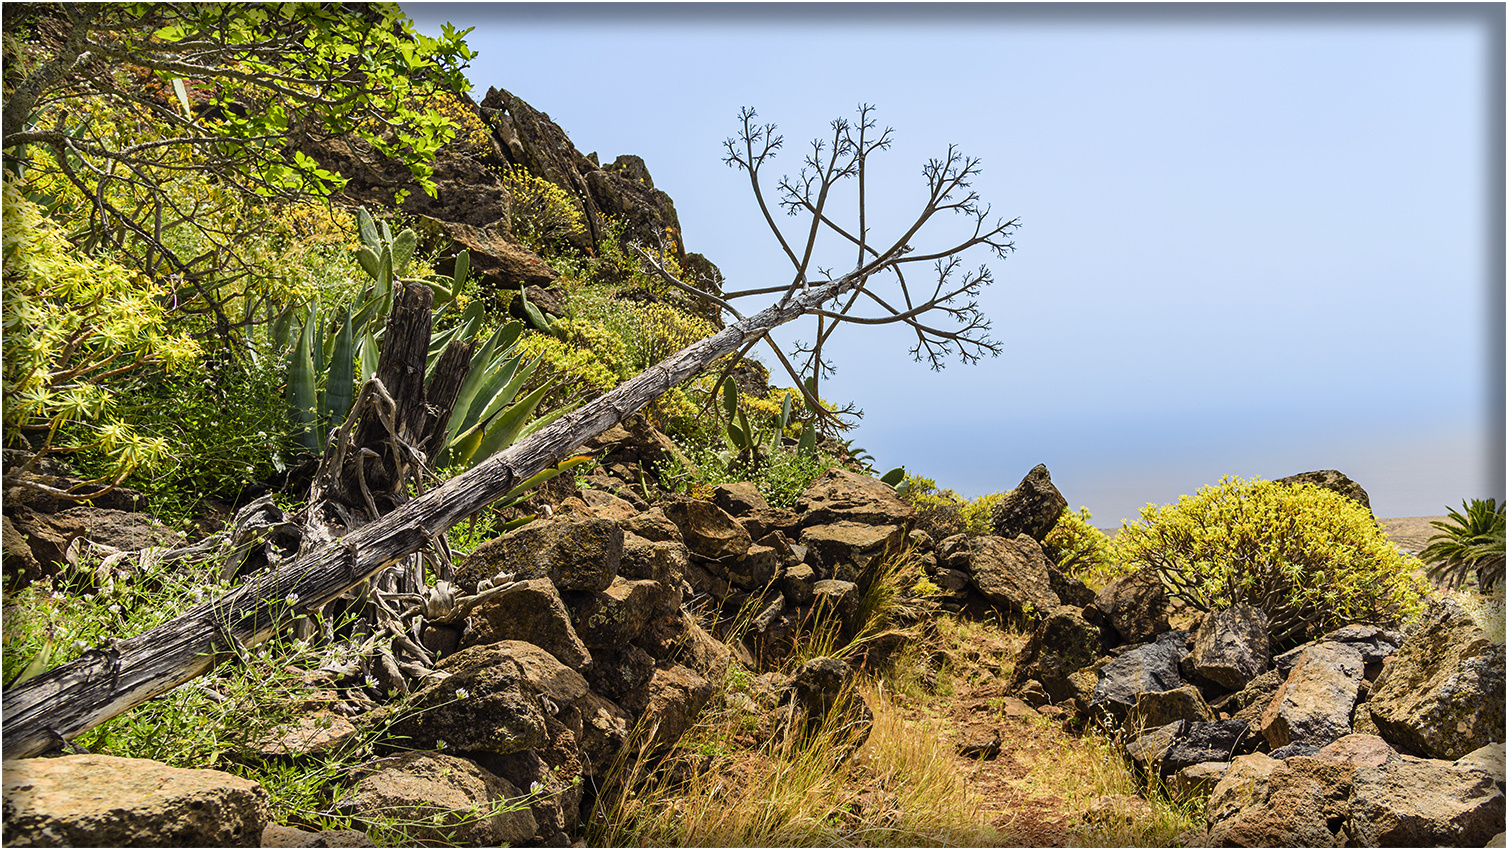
(1136, 606)
(576, 555)
(89, 800)
(496, 258)
(1314, 705)
(848, 550)
(840, 495)
(1265, 802)
(1424, 803)
(668, 704)
(1008, 572)
(612, 618)
(1062, 644)
(531, 611)
(1032, 509)
(1212, 741)
(40, 540)
(441, 799)
(739, 497)
(1153, 667)
(486, 704)
(1442, 695)
(1331, 480)
(708, 531)
(1230, 646)
(821, 693)
(1155, 709)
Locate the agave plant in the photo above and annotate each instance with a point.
(328, 360)
(1468, 542)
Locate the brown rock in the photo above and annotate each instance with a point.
(532, 612)
(843, 496)
(738, 498)
(107, 801)
(1443, 693)
(1136, 606)
(707, 530)
(1032, 509)
(612, 618)
(577, 555)
(1332, 480)
(1264, 802)
(669, 703)
(1423, 803)
(849, 550)
(1314, 705)
(485, 705)
(1230, 646)
(1011, 573)
(436, 797)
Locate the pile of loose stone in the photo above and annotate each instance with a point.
(596, 653)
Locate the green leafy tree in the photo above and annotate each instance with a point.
(141, 121)
(1471, 541)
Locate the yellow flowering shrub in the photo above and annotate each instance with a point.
(73, 321)
(541, 213)
(1310, 558)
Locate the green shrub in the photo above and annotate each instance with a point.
(942, 513)
(1310, 558)
(1081, 550)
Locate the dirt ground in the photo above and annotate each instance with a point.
(1410, 534)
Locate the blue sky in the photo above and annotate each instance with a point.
(1254, 241)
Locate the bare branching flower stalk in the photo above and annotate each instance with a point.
(941, 309)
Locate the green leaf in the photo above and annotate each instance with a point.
(368, 260)
(505, 427)
(368, 229)
(367, 357)
(302, 393)
(736, 437)
(806, 446)
(403, 249)
(38, 663)
(463, 268)
(340, 379)
(730, 396)
(894, 477)
(183, 97)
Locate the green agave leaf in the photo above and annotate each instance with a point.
(540, 422)
(38, 663)
(504, 428)
(508, 391)
(480, 375)
(736, 436)
(367, 356)
(546, 475)
(303, 398)
(283, 328)
(463, 448)
(340, 378)
(515, 523)
(463, 268)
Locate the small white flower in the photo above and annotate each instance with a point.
(462, 694)
(370, 682)
(535, 788)
(115, 608)
(81, 644)
(440, 744)
(291, 599)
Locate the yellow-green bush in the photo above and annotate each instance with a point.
(1081, 550)
(73, 323)
(541, 213)
(942, 513)
(1310, 558)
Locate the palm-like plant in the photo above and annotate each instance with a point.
(1466, 543)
